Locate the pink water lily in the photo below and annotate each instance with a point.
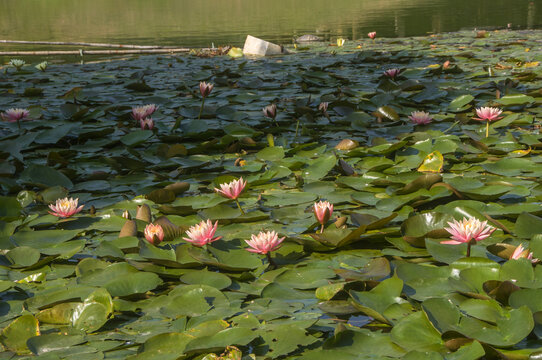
(232, 189)
(154, 233)
(147, 123)
(322, 212)
(270, 111)
(65, 208)
(142, 112)
(203, 233)
(468, 231)
(15, 114)
(372, 35)
(521, 253)
(392, 73)
(323, 106)
(420, 117)
(488, 114)
(205, 88)
(264, 242)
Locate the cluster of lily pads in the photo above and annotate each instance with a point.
(400, 227)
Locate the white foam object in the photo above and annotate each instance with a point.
(255, 46)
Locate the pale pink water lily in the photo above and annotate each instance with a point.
(232, 190)
(270, 111)
(147, 123)
(521, 253)
(488, 114)
(420, 117)
(15, 115)
(154, 233)
(203, 233)
(205, 88)
(392, 73)
(323, 106)
(468, 231)
(142, 112)
(65, 208)
(264, 242)
(372, 35)
(323, 211)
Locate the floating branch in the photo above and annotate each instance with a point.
(98, 52)
(85, 44)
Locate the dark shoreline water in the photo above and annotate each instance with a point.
(227, 22)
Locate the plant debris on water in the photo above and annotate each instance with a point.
(320, 228)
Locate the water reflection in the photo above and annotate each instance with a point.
(202, 22)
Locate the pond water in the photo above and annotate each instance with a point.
(226, 22)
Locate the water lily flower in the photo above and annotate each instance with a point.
(126, 215)
(392, 73)
(42, 66)
(372, 35)
(154, 233)
(142, 112)
(420, 117)
(521, 253)
(17, 63)
(270, 111)
(264, 242)
(340, 42)
(468, 231)
(15, 115)
(205, 88)
(322, 212)
(232, 190)
(488, 114)
(203, 233)
(65, 208)
(323, 107)
(147, 123)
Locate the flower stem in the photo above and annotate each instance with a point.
(239, 206)
(270, 260)
(468, 249)
(322, 229)
(296, 128)
(487, 129)
(19, 124)
(201, 109)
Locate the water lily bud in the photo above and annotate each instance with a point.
(144, 213)
(205, 88)
(128, 229)
(270, 111)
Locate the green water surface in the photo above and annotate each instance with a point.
(204, 22)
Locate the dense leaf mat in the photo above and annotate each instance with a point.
(377, 284)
